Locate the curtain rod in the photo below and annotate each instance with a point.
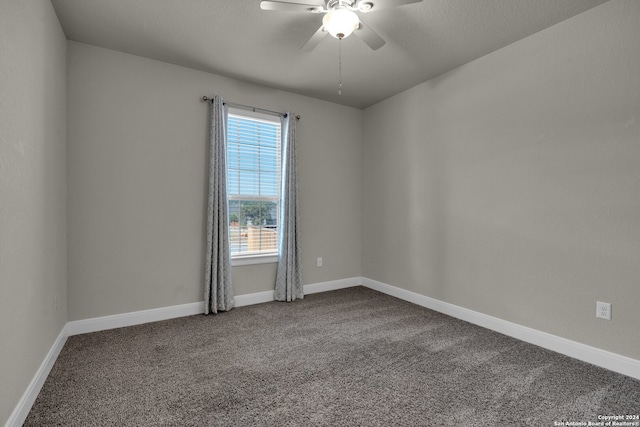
(248, 107)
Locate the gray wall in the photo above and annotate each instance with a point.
(32, 192)
(511, 185)
(137, 183)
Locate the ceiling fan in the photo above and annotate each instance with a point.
(341, 19)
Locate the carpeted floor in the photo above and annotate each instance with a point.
(352, 357)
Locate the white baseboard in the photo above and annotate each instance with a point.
(103, 323)
(605, 359)
(21, 411)
(255, 298)
(267, 296)
(332, 285)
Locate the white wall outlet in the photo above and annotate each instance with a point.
(319, 263)
(55, 303)
(603, 310)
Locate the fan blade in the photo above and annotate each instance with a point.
(314, 40)
(369, 36)
(367, 6)
(291, 7)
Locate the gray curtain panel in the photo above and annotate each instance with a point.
(289, 274)
(218, 289)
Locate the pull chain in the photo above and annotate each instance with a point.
(340, 65)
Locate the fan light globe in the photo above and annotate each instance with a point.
(340, 23)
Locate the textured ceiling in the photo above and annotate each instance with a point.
(236, 38)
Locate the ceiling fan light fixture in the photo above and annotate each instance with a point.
(340, 23)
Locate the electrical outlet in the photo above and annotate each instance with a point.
(319, 263)
(55, 303)
(603, 310)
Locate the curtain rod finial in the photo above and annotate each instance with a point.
(205, 98)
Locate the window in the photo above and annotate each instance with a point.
(253, 178)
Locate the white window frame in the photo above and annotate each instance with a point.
(264, 257)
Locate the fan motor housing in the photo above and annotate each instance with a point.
(332, 4)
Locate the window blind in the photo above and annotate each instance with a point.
(253, 182)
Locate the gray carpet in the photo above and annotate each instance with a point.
(352, 357)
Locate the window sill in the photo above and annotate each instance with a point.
(254, 259)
